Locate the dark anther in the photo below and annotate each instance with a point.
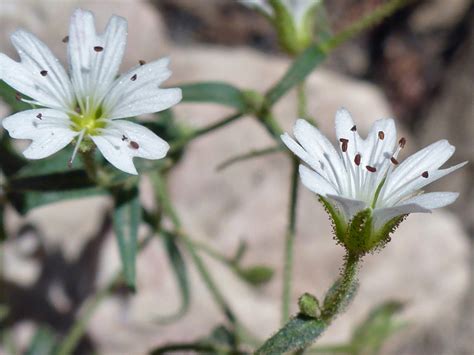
(66, 39)
(344, 142)
(134, 145)
(44, 72)
(98, 48)
(18, 96)
(425, 174)
(141, 62)
(124, 138)
(344, 147)
(381, 135)
(134, 77)
(354, 128)
(394, 161)
(357, 159)
(78, 109)
(371, 168)
(402, 142)
(39, 115)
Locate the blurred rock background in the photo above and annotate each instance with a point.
(417, 67)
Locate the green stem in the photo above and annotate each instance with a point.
(338, 298)
(89, 164)
(302, 100)
(370, 20)
(202, 131)
(289, 243)
(249, 155)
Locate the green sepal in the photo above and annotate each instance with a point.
(379, 239)
(338, 225)
(358, 233)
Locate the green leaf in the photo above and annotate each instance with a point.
(8, 95)
(298, 333)
(43, 343)
(256, 275)
(215, 92)
(179, 268)
(371, 334)
(298, 71)
(126, 220)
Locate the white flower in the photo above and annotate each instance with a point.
(92, 100)
(365, 175)
(297, 8)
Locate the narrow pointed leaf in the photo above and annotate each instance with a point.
(179, 269)
(298, 71)
(214, 92)
(298, 333)
(126, 220)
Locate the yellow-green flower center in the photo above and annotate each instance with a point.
(91, 122)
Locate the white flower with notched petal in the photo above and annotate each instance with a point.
(363, 186)
(90, 102)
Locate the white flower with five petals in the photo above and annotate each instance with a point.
(91, 101)
(365, 175)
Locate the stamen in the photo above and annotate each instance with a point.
(65, 39)
(44, 72)
(381, 135)
(394, 161)
(354, 128)
(40, 116)
(18, 96)
(124, 138)
(98, 48)
(357, 159)
(78, 143)
(141, 62)
(134, 145)
(425, 174)
(371, 168)
(344, 144)
(402, 142)
(134, 77)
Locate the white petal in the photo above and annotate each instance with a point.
(137, 91)
(344, 124)
(94, 71)
(115, 143)
(419, 183)
(349, 207)
(383, 215)
(429, 159)
(49, 134)
(315, 182)
(53, 89)
(433, 200)
(303, 154)
(321, 149)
